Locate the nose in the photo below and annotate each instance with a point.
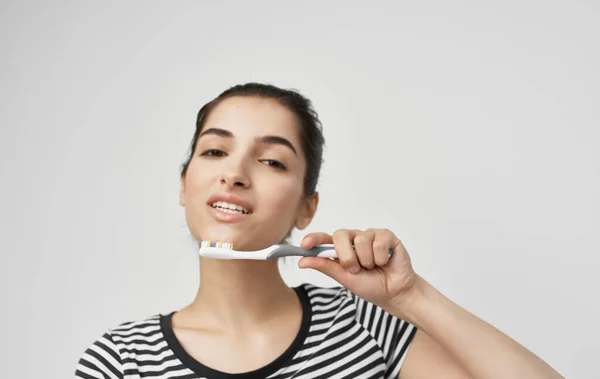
(234, 180)
(235, 176)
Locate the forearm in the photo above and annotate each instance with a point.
(482, 350)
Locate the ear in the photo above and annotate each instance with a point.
(182, 191)
(307, 211)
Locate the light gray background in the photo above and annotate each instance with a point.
(470, 129)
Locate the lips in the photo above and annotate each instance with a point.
(228, 208)
(226, 217)
(230, 199)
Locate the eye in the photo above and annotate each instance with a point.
(213, 153)
(275, 164)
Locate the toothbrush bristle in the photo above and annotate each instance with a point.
(219, 244)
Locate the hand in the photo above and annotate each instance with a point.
(368, 272)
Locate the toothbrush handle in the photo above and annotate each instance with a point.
(324, 251)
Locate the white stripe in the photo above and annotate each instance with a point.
(390, 335)
(345, 358)
(376, 322)
(384, 330)
(333, 313)
(154, 357)
(325, 316)
(329, 342)
(332, 341)
(105, 370)
(140, 346)
(141, 329)
(323, 293)
(323, 307)
(161, 367)
(399, 347)
(104, 354)
(133, 337)
(367, 307)
(154, 320)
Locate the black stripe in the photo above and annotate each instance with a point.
(330, 367)
(92, 367)
(128, 326)
(388, 330)
(147, 363)
(109, 350)
(322, 321)
(324, 314)
(138, 334)
(344, 330)
(372, 364)
(103, 360)
(352, 347)
(397, 335)
(402, 350)
(379, 322)
(162, 372)
(318, 366)
(312, 344)
(362, 312)
(330, 305)
(131, 372)
(80, 374)
(369, 325)
(313, 290)
(187, 376)
(140, 341)
(136, 351)
(319, 299)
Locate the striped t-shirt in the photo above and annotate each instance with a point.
(341, 336)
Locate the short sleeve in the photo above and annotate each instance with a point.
(392, 334)
(101, 360)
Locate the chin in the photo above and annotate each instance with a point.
(241, 238)
(225, 233)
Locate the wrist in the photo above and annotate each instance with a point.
(412, 303)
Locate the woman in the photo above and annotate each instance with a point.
(250, 179)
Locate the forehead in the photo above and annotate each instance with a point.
(248, 117)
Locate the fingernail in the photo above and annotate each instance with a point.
(354, 269)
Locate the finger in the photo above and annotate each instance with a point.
(342, 240)
(383, 242)
(363, 243)
(313, 239)
(329, 267)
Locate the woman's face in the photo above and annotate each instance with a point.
(244, 182)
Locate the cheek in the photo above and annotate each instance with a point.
(284, 197)
(198, 180)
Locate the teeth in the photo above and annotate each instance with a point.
(229, 208)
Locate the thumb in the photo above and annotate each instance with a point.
(329, 267)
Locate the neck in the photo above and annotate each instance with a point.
(241, 293)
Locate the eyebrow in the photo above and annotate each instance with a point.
(270, 140)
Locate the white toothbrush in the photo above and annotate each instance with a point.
(224, 250)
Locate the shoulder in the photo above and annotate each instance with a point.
(339, 312)
(320, 294)
(328, 295)
(144, 328)
(341, 304)
(107, 354)
(326, 299)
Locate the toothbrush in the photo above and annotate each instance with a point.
(224, 250)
